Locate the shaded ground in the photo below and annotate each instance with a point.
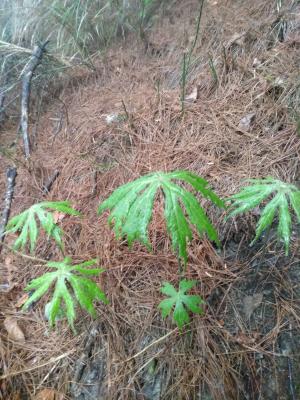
(247, 344)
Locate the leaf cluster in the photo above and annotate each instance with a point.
(131, 208)
(26, 223)
(66, 276)
(284, 197)
(180, 301)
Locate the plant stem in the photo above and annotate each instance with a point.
(187, 57)
(11, 174)
(183, 81)
(40, 260)
(196, 35)
(213, 71)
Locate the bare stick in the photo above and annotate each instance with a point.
(11, 174)
(48, 185)
(81, 362)
(18, 253)
(26, 85)
(4, 78)
(2, 99)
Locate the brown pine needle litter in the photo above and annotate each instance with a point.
(222, 354)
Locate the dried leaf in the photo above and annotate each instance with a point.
(8, 262)
(237, 38)
(16, 396)
(245, 339)
(251, 303)
(48, 394)
(58, 216)
(13, 329)
(22, 300)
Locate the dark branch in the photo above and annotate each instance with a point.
(2, 99)
(11, 174)
(26, 86)
(48, 185)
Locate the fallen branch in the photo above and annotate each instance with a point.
(2, 99)
(81, 362)
(26, 85)
(48, 185)
(4, 78)
(11, 174)
(31, 258)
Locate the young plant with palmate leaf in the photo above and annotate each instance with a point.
(180, 301)
(26, 223)
(285, 197)
(66, 276)
(131, 208)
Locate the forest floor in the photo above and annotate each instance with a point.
(125, 120)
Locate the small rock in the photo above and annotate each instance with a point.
(246, 122)
(112, 118)
(278, 82)
(256, 63)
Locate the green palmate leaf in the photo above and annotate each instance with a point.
(284, 226)
(26, 223)
(295, 201)
(131, 207)
(62, 206)
(142, 214)
(200, 184)
(180, 301)
(267, 217)
(65, 278)
(285, 196)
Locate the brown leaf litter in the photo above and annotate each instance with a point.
(224, 352)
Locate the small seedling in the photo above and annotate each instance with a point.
(213, 71)
(285, 196)
(131, 209)
(180, 301)
(84, 290)
(187, 57)
(27, 224)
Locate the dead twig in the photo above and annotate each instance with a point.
(82, 360)
(51, 361)
(26, 86)
(2, 99)
(48, 185)
(11, 174)
(155, 342)
(31, 258)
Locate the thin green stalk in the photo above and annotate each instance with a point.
(196, 35)
(181, 270)
(213, 71)
(183, 81)
(187, 57)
